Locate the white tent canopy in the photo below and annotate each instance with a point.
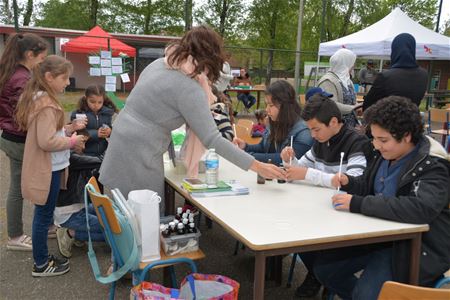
(375, 40)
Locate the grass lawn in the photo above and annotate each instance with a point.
(70, 100)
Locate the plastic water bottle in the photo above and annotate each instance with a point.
(212, 168)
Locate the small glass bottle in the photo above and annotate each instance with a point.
(165, 230)
(180, 229)
(269, 161)
(185, 221)
(179, 213)
(184, 216)
(260, 179)
(192, 228)
(172, 228)
(281, 180)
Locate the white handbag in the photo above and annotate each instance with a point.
(145, 204)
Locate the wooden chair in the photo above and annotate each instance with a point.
(302, 99)
(244, 133)
(245, 123)
(442, 118)
(398, 291)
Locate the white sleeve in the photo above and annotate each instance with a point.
(318, 177)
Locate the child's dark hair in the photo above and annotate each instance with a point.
(260, 114)
(397, 115)
(84, 132)
(97, 90)
(283, 95)
(321, 108)
(16, 47)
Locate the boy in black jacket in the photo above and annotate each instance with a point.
(408, 181)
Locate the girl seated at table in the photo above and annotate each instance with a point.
(285, 125)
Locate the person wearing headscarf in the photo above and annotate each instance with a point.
(337, 81)
(404, 78)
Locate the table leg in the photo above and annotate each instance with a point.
(258, 94)
(416, 243)
(260, 270)
(169, 199)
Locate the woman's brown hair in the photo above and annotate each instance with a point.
(15, 50)
(56, 66)
(205, 46)
(97, 90)
(283, 96)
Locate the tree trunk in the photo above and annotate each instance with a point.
(329, 16)
(347, 16)
(7, 10)
(147, 17)
(187, 15)
(273, 30)
(223, 17)
(28, 13)
(93, 13)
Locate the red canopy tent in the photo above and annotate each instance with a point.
(96, 40)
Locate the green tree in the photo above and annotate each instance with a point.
(270, 25)
(69, 14)
(147, 17)
(224, 16)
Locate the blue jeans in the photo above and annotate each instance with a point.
(77, 222)
(247, 99)
(335, 269)
(43, 218)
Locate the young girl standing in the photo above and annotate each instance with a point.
(98, 109)
(46, 154)
(21, 54)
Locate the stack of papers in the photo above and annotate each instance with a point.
(235, 189)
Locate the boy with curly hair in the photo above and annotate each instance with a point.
(408, 181)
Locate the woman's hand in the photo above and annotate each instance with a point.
(269, 171)
(339, 180)
(342, 201)
(239, 142)
(295, 173)
(287, 153)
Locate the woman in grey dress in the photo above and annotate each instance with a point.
(163, 99)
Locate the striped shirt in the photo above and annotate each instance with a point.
(323, 159)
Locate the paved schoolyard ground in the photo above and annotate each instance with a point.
(16, 281)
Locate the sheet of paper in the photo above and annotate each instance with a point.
(117, 69)
(110, 79)
(95, 72)
(110, 87)
(117, 61)
(106, 63)
(105, 54)
(106, 71)
(125, 77)
(94, 60)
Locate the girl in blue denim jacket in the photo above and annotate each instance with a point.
(285, 124)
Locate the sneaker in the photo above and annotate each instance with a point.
(79, 244)
(62, 261)
(21, 243)
(51, 268)
(52, 231)
(309, 288)
(64, 242)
